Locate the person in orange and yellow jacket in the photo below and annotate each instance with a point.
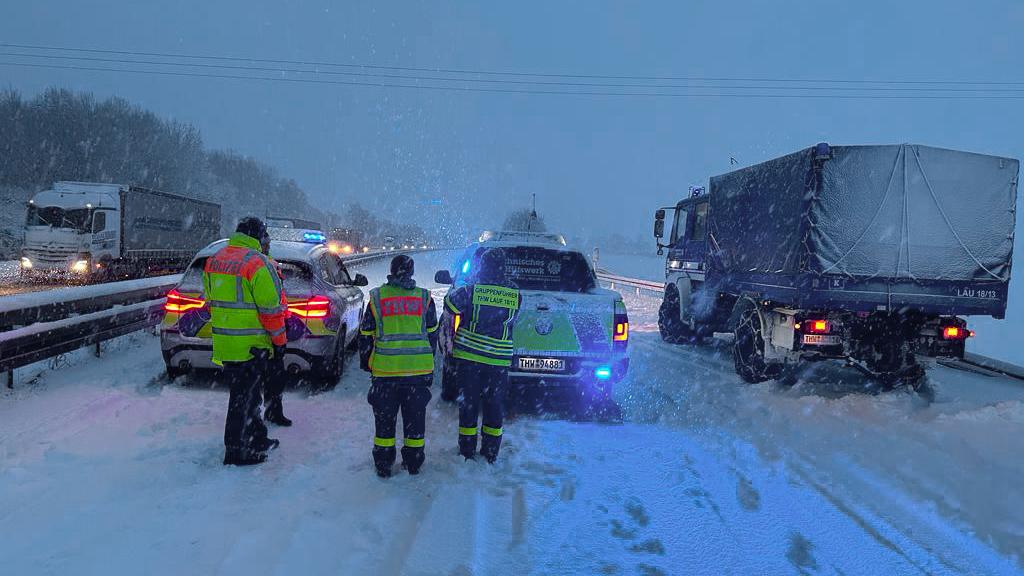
(244, 293)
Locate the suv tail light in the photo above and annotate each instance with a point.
(179, 304)
(620, 333)
(315, 307)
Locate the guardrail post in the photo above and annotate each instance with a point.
(97, 351)
(10, 378)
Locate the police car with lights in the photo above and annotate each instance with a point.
(324, 303)
(570, 336)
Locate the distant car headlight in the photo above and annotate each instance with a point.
(80, 266)
(26, 264)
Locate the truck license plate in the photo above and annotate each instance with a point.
(821, 340)
(542, 364)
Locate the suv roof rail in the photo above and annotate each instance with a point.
(523, 236)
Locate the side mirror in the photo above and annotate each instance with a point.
(443, 277)
(360, 280)
(659, 229)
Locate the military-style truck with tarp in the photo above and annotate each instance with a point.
(869, 254)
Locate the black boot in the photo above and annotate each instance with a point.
(383, 460)
(265, 445)
(243, 457)
(275, 413)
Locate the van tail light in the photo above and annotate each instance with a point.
(315, 307)
(620, 335)
(956, 333)
(179, 304)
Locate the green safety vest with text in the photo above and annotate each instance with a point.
(485, 331)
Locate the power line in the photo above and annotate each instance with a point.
(513, 82)
(453, 88)
(509, 73)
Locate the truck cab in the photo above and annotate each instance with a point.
(685, 266)
(71, 229)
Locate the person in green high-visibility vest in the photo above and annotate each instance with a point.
(482, 351)
(397, 340)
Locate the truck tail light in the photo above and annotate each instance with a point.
(620, 335)
(956, 333)
(315, 307)
(815, 326)
(179, 304)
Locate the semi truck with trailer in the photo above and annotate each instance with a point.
(868, 254)
(97, 231)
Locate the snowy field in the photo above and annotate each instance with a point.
(106, 468)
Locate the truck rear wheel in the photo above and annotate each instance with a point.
(748, 348)
(670, 322)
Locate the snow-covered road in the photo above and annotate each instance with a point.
(106, 469)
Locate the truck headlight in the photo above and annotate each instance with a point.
(80, 266)
(26, 264)
(675, 264)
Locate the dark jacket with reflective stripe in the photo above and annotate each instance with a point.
(487, 316)
(369, 328)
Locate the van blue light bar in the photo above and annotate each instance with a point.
(603, 372)
(314, 237)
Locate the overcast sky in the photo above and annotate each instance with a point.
(596, 162)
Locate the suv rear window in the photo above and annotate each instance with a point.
(534, 268)
(298, 277)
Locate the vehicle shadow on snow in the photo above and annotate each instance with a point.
(831, 380)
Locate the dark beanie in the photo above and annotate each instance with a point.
(402, 266)
(252, 227)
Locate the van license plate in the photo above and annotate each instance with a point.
(542, 364)
(821, 340)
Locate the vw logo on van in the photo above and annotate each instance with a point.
(543, 326)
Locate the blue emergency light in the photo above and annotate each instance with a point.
(465, 267)
(314, 237)
(603, 372)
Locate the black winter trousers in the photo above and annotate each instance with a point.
(389, 396)
(483, 389)
(243, 424)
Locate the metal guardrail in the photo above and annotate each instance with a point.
(38, 325)
(51, 305)
(637, 284)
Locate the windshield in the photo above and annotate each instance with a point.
(74, 218)
(534, 268)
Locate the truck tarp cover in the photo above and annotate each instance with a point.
(902, 211)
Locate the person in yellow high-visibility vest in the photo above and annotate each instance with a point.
(398, 337)
(487, 308)
(248, 319)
